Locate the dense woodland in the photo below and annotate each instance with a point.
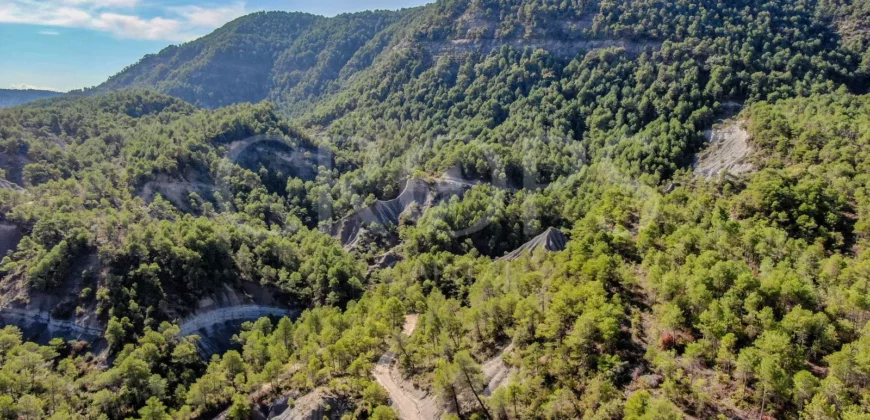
(677, 296)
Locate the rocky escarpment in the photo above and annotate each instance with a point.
(220, 316)
(10, 236)
(555, 46)
(39, 325)
(384, 213)
(728, 150)
(217, 327)
(9, 185)
(59, 311)
(291, 157)
(424, 194)
(551, 240)
(316, 405)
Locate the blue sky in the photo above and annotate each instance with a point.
(70, 44)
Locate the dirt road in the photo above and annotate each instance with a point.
(416, 404)
(412, 404)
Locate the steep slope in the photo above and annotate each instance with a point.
(268, 55)
(386, 85)
(87, 162)
(551, 239)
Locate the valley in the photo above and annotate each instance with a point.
(496, 209)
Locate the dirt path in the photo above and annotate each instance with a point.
(416, 404)
(412, 404)
(497, 371)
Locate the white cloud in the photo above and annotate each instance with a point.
(53, 33)
(26, 86)
(119, 17)
(129, 26)
(103, 3)
(213, 17)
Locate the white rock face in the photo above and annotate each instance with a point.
(216, 327)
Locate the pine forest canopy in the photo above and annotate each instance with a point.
(221, 164)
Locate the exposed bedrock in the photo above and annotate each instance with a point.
(220, 316)
(551, 239)
(292, 157)
(216, 327)
(555, 46)
(385, 213)
(10, 236)
(40, 326)
(728, 150)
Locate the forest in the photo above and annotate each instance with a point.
(676, 296)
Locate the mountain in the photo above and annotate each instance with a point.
(265, 55)
(294, 58)
(355, 245)
(652, 74)
(13, 97)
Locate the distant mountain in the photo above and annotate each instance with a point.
(13, 97)
(281, 56)
(649, 73)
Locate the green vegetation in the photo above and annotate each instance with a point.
(676, 296)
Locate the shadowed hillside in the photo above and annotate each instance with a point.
(13, 97)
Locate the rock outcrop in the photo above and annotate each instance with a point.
(551, 240)
(10, 236)
(497, 371)
(385, 213)
(9, 185)
(316, 405)
(40, 326)
(292, 157)
(220, 316)
(216, 328)
(559, 47)
(728, 150)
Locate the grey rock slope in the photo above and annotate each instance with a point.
(382, 212)
(385, 213)
(552, 240)
(219, 317)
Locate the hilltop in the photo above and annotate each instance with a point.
(486, 209)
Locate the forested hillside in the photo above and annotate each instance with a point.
(285, 57)
(675, 296)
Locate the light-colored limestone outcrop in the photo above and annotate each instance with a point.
(560, 47)
(385, 213)
(727, 151)
(204, 320)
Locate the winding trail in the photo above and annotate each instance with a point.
(497, 371)
(412, 404)
(415, 404)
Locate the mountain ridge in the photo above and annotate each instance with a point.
(14, 97)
